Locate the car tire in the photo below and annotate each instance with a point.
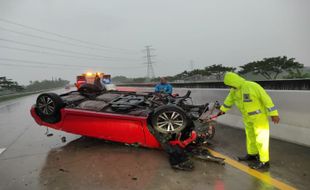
(169, 119)
(89, 89)
(48, 107)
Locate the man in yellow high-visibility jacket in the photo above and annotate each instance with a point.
(255, 106)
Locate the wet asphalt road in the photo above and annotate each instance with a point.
(31, 160)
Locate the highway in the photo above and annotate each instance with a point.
(30, 159)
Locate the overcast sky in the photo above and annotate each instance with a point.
(115, 32)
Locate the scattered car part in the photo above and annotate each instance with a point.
(47, 133)
(204, 154)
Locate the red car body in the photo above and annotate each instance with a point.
(108, 126)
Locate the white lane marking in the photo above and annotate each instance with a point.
(2, 150)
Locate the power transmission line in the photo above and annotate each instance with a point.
(52, 40)
(44, 64)
(61, 36)
(56, 49)
(38, 66)
(51, 53)
(33, 66)
(150, 71)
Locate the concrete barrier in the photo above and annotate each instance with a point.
(278, 84)
(293, 106)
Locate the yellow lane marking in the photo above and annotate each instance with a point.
(263, 177)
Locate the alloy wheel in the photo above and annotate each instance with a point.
(169, 121)
(46, 105)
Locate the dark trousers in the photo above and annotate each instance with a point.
(176, 154)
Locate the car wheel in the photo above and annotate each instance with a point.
(48, 107)
(169, 119)
(89, 88)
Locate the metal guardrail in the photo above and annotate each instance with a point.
(287, 84)
(20, 94)
(17, 95)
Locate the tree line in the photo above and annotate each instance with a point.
(9, 84)
(46, 84)
(268, 68)
(13, 86)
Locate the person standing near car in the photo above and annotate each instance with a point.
(97, 81)
(255, 105)
(163, 86)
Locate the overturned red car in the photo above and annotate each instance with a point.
(141, 118)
